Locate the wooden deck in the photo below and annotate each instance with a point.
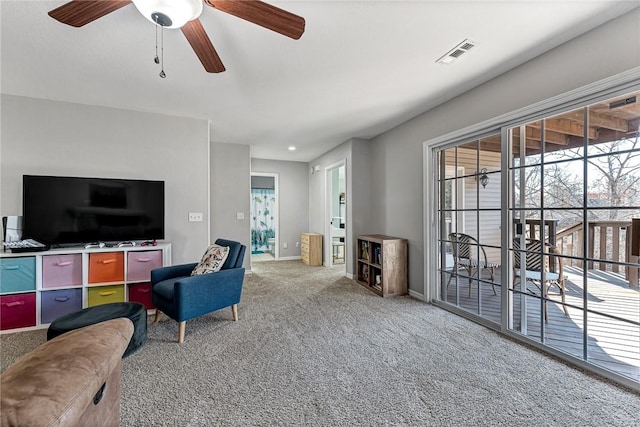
(613, 343)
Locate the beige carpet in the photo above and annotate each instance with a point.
(313, 348)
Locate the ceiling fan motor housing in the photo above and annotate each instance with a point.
(169, 13)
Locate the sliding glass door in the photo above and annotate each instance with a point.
(575, 189)
(535, 226)
(469, 215)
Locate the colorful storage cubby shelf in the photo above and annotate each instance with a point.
(36, 288)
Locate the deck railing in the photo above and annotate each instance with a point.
(609, 243)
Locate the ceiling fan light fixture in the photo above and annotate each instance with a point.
(169, 13)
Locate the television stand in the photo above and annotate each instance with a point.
(38, 287)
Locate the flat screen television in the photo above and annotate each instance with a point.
(60, 210)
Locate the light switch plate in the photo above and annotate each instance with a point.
(240, 215)
(195, 216)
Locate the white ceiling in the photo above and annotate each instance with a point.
(360, 68)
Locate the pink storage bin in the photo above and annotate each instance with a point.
(61, 270)
(140, 264)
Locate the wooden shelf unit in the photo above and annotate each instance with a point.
(382, 264)
(311, 248)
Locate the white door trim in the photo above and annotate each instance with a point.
(328, 246)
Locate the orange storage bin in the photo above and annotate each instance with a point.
(106, 267)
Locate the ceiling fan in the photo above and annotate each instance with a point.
(184, 14)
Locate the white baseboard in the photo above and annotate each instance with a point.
(289, 258)
(350, 275)
(416, 295)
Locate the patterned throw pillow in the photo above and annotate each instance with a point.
(212, 260)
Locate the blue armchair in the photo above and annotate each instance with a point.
(183, 297)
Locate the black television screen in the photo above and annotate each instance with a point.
(69, 210)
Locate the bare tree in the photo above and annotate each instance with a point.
(618, 163)
(613, 180)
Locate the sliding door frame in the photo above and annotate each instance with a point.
(608, 88)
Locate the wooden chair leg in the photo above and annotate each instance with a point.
(234, 312)
(157, 316)
(181, 326)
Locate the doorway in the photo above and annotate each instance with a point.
(264, 217)
(336, 213)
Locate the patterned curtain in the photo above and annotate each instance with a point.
(263, 218)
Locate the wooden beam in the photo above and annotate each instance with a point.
(490, 146)
(493, 139)
(631, 109)
(604, 135)
(550, 137)
(634, 127)
(597, 120)
(564, 126)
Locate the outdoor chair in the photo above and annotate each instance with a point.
(537, 271)
(469, 255)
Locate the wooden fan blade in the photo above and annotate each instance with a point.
(262, 14)
(199, 41)
(80, 12)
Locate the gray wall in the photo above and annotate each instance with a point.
(293, 200)
(397, 154)
(355, 152)
(56, 138)
(230, 194)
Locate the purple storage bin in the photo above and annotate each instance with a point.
(57, 303)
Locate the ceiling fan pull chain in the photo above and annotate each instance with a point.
(162, 74)
(156, 59)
